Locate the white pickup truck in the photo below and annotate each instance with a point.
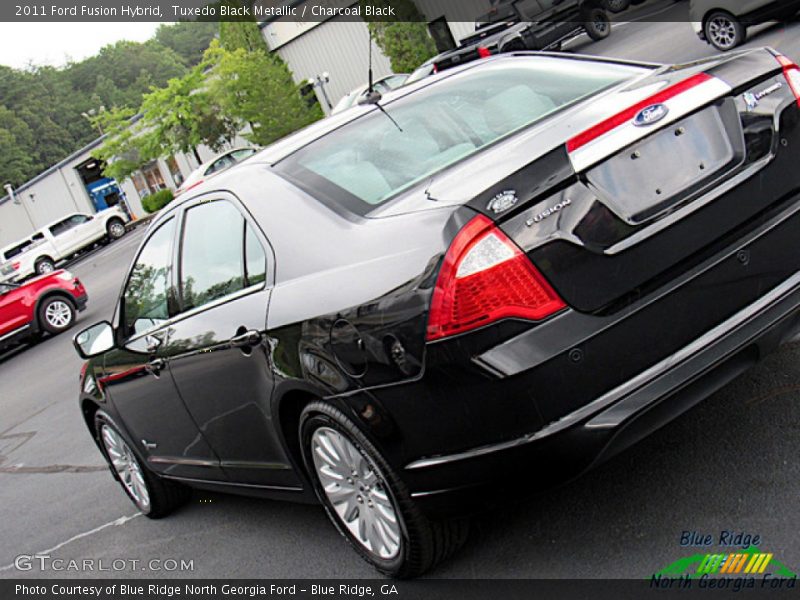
(40, 252)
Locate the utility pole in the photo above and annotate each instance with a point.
(319, 82)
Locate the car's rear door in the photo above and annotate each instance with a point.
(136, 375)
(217, 351)
(67, 234)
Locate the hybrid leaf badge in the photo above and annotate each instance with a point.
(502, 201)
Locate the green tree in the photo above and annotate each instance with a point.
(243, 33)
(257, 88)
(404, 39)
(122, 150)
(15, 136)
(181, 116)
(189, 39)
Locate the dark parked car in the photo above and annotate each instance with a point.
(497, 278)
(45, 304)
(525, 25)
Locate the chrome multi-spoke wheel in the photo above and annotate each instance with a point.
(116, 230)
(357, 491)
(367, 501)
(58, 314)
(724, 32)
(126, 466)
(45, 266)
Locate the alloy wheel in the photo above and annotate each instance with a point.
(45, 267)
(126, 466)
(722, 32)
(58, 314)
(357, 492)
(117, 230)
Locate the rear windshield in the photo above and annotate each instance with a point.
(370, 160)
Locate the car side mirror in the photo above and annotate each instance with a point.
(94, 340)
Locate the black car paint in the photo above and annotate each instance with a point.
(361, 345)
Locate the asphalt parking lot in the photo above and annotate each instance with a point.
(731, 463)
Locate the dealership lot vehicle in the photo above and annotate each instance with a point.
(60, 240)
(522, 25)
(467, 314)
(46, 304)
(724, 23)
(213, 167)
(383, 85)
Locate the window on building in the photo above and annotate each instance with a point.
(175, 171)
(148, 180)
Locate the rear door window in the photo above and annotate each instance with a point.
(220, 254)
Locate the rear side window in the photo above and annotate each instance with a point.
(370, 160)
(220, 254)
(145, 300)
(69, 223)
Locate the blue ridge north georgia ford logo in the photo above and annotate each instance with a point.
(650, 115)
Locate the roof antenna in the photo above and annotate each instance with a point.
(373, 96)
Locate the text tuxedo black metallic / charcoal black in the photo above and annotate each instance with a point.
(521, 267)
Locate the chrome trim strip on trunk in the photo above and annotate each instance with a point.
(710, 337)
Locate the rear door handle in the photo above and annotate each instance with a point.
(156, 365)
(246, 339)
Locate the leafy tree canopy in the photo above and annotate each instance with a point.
(257, 88)
(405, 40)
(46, 104)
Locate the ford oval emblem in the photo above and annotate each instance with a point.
(650, 115)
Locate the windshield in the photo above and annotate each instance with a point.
(371, 159)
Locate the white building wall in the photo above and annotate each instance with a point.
(14, 223)
(340, 48)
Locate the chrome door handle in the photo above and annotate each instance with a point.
(248, 338)
(156, 365)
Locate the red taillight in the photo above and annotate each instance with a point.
(792, 73)
(484, 52)
(15, 266)
(485, 277)
(627, 115)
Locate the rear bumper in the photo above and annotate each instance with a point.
(540, 404)
(464, 481)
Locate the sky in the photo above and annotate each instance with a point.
(55, 43)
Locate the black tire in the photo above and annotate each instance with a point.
(164, 496)
(56, 314)
(115, 229)
(597, 24)
(424, 544)
(724, 31)
(44, 264)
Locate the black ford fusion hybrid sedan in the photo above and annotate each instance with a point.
(493, 280)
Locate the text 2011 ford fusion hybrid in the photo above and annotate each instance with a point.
(488, 282)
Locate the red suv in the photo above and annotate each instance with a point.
(46, 303)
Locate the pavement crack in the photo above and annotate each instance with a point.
(114, 523)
